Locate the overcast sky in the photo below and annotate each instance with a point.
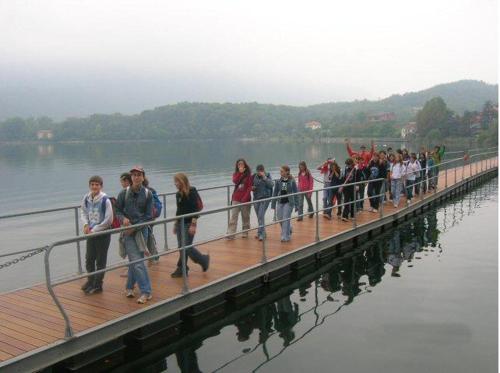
(77, 57)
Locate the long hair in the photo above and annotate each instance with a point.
(287, 170)
(306, 170)
(334, 166)
(247, 167)
(182, 179)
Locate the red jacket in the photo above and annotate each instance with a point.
(243, 187)
(367, 156)
(306, 183)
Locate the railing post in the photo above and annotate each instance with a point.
(381, 200)
(165, 230)
(185, 287)
(353, 206)
(317, 216)
(77, 230)
(455, 174)
(264, 249)
(68, 330)
(228, 196)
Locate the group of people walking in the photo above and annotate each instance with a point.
(385, 172)
(136, 203)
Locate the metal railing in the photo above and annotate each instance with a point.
(483, 161)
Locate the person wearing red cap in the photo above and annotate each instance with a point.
(134, 205)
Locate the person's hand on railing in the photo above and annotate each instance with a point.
(86, 229)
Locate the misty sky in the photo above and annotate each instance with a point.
(64, 57)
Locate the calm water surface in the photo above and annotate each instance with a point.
(422, 297)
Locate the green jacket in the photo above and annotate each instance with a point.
(438, 156)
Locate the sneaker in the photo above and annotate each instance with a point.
(395, 206)
(129, 293)
(144, 298)
(95, 290)
(207, 263)
(370, 209)
(300, 219)
(408, 202)
(85, 287)
(345, 219)
(374, 210)
(244, 235)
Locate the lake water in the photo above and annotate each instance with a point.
(422, 297)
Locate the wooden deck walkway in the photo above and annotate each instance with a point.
(30, 320)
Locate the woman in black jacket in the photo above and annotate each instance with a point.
(188, 202)
(348, 191)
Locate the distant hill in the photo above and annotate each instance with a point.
(204, 120)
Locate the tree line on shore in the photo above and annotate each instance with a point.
(437, 116)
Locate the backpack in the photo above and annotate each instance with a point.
(157, 205)
(199, 202)
(373, 173)
(116, 222)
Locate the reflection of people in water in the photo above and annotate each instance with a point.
(331, 280)
(352, 271)
(374, 263)
(286, 318)
(187, 359)
(394, 253)
(245, 326)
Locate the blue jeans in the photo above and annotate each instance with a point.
(396, 185)
(409, 189)
(191, 252)
(136, 272)
(260, 210)
(284, 211)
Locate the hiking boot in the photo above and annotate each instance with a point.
(143, 299)
(206, 264)
(178, 273)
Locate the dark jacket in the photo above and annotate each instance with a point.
(291, 188)
(135, 206)
(187, 205)
(263, 186)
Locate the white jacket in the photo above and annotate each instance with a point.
(92, 212)
(413, 170)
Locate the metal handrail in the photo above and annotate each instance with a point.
(50, 284)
